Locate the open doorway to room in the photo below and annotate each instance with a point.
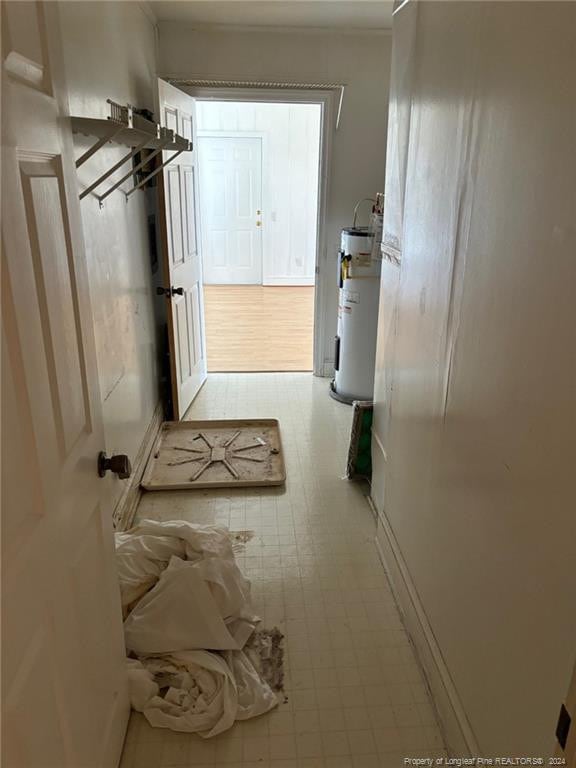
(259, 174)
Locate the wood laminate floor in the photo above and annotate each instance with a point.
(259, 328)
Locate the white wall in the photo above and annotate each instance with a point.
(361, 60)
(476, 370)
(290, 156)
(110, 52)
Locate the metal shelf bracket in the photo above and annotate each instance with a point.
(154, 172)
(98, 145)
(133, 171)
(110, 171)
(126, 127)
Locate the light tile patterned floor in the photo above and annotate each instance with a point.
(356, 698)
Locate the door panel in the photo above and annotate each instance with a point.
(171, 117)
(196, 310)
(26, 54)
(65, 698)
(231, 198)
(183, 329)
(54, 287)
(174, 210)
(186, 126)
(188, 210)
(182, 259)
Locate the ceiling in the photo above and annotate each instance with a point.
(335, 14)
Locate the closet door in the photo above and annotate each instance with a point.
(182, 262)
(64, 691)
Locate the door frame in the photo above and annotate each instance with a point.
(226, 134)
(328, 100)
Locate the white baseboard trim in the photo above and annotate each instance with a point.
(327, 370)
(288, 281)
(379, 444)
(379, 469)
(375, 514)
(127, 504)
(457, 732)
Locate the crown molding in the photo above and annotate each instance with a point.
(280, 29)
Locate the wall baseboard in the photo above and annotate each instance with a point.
(125, 510)
(456, 729)
(288, 281)
(327, 369)
(379, 468)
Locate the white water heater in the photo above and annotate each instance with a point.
(359, 266)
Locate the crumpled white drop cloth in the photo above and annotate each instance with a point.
(201, 541)
(189, 596)
(143, 552)
(201, 696)
(193, 606)
(141, 685)
(140, 560)
(255, 697)
(206, 692)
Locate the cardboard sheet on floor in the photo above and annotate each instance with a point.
(216, 454)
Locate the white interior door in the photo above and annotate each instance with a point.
(64, 691)
(181, 253)
(231, 199)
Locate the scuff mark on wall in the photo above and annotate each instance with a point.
(115, 384)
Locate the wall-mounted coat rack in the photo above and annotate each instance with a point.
(127, 128)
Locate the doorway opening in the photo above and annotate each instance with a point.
(259, 189)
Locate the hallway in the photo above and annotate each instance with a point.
(355, 695)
